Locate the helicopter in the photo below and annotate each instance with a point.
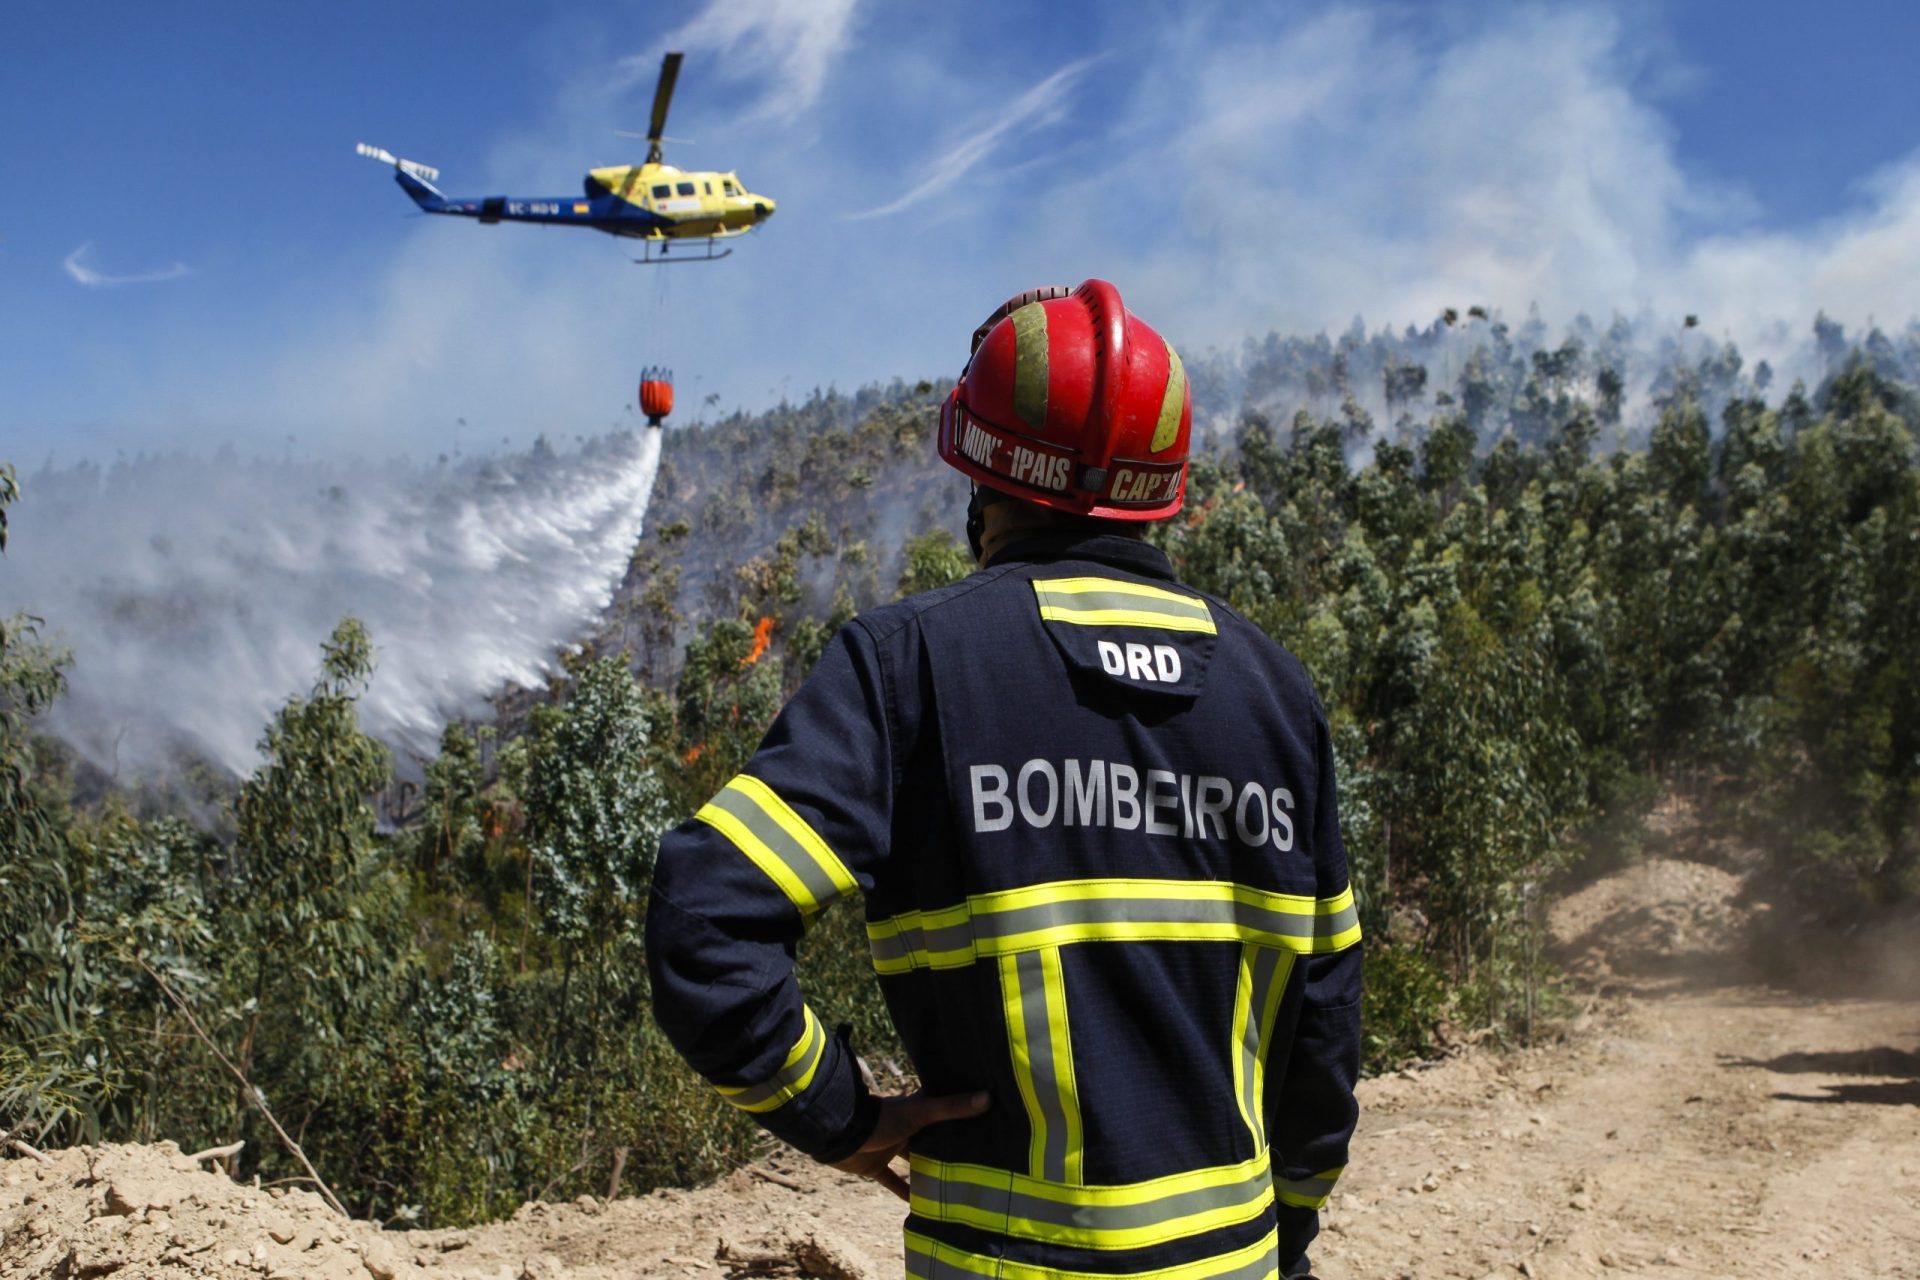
(653, 202)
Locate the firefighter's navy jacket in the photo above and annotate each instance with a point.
(1091, 812)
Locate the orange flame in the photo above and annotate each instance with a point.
(694, 753)
(762, 633)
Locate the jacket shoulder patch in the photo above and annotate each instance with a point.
(1138, 636)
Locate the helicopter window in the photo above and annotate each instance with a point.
(709, 187)
(686, 189)
(662, 191)
(731, 189)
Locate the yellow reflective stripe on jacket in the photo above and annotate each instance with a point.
(779, 842)
(928, 1259)
(793, 1077)
(1126, 1216)
(1035, 998)
(1308, 1193)
(1115, 602)
(1256, 1001)
(1069, 911)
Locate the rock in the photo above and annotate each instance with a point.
(85, 1261)
(1581, 1201)
(129, 1194)
(832, 1259)
(381, 1262)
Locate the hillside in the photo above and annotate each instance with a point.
(1565, 580)
(1693, 1121)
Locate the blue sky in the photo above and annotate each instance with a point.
(191, 254)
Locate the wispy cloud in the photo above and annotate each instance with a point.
(1038, 106)
(76, 265)
(794, 43)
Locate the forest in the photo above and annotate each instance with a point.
(1539, 584)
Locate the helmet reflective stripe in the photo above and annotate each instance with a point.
(1167, 430)
(1066, 403)
(1030, 366)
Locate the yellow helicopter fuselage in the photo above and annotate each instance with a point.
(683, 205)
(653, 202)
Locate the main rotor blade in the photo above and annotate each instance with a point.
(663, 95)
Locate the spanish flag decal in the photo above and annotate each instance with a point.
(579, 208)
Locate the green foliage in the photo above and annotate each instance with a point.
(595, 810)
(837, 974)
(53, 1079)
(451, 812)
(1523, 634)
(305, 857)
(1524, 643)
(1407, 995)
(934, 559)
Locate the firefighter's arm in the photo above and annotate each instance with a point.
(1313, 1111)
(800, 827)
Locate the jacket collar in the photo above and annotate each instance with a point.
(1048, 546)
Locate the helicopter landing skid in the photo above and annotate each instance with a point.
(649, 258)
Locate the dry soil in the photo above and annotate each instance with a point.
(1693, 1120)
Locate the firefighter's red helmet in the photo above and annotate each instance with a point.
(1073, 402)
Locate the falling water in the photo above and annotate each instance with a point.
(194, 593)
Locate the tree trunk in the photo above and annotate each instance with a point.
(619, 1167)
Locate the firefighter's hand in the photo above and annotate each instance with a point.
(900, 1118)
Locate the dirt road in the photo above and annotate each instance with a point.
(1693, 1121)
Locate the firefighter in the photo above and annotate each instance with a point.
(1091, 813)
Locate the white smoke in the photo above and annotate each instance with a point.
(195, 593)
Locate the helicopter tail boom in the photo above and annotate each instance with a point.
(415, 179)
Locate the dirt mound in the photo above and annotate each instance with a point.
(139, 1211)
(1661, 918)
(148, 1210)
(784, 1216)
